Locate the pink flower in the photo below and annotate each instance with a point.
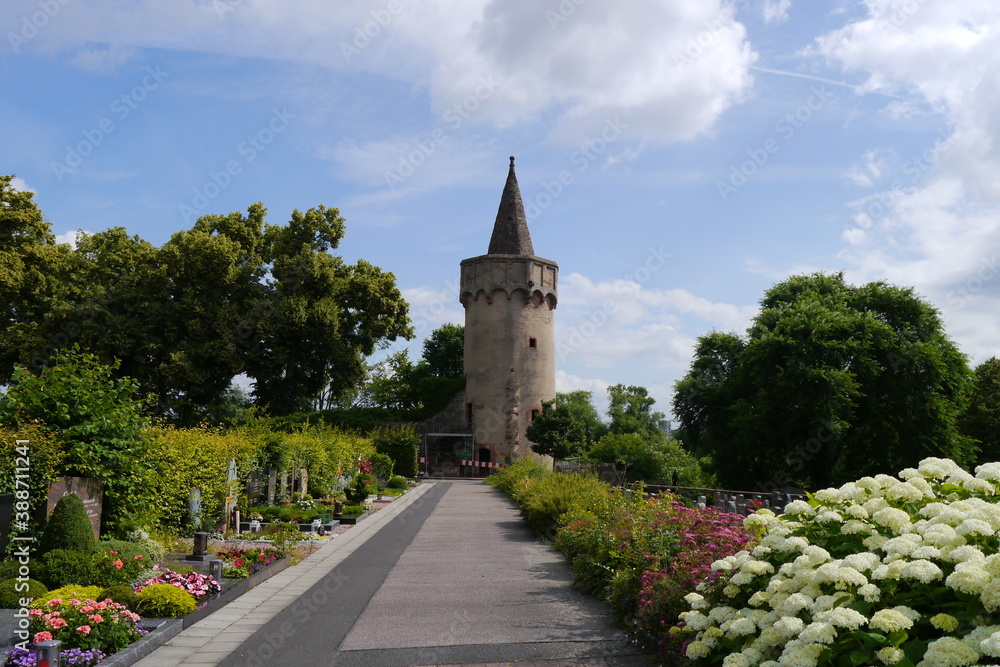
(84, 629)
(119, 564)
(43, 636)
(95, 618)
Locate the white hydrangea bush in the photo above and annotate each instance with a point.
(882, 571)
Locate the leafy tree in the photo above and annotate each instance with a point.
(233, 294)
(631, 411)
(566, 427)
(830, 383)
(981, 419)
(444, 352)
(100, 420)
(33, 269)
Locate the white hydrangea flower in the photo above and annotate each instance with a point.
(829, 516)
(696, 600)
(948, 652)
(890, 655)
(874, 542)
(799, 654)
(974, 527)
(816, 554)
(697, 650)
(980, 486)
(695, 620)
(741, 626)
(721, 614)
(926, 552)
(857, 512)
(843, 617)
(966, 553)
(789, 626)
(793, 604)
(889, 620)
(905, 492)
(933, 467)
(991, 645)
(797, 507)
(852, 492)
(895, 519)
(989, 471)
(870, 592)
(923, 571)
(828, 496)
(898, 547)
(737, 660)
(862, 561)
(990, 595)
(818, 633)
(908, 612)
(875, 504)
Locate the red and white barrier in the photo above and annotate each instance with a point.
(482, 464)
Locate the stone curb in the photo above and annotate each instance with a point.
(212, 639)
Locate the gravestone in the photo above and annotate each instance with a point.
(90, 491)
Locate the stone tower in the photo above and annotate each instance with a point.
(509, 296)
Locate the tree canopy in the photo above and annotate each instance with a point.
(234, 294)
(981, 418)
(830, 383)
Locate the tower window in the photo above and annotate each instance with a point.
(532, 342)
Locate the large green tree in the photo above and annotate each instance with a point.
(981, 418)
(233, 294)
(566, 427)
(831, 382)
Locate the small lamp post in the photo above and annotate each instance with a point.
(47, 653)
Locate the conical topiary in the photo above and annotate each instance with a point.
(68, 527)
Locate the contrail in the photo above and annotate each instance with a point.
(856, 89)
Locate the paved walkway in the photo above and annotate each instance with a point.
(447, 575)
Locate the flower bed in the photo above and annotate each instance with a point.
(882, 571)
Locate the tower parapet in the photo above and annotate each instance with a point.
(509, 295)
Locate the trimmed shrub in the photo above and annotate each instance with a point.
(13, 591)
(72, 591)
(9, 569)
(61, 567)
(163, 600)
(68, 527)
(121, 594)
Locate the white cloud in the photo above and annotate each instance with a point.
(668, 68)
(19, 184)
(776, 10)
(937, 228)
(611, 323)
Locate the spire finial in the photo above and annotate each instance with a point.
(510, 231)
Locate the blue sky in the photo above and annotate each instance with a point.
(676, 158)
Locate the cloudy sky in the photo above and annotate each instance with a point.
(676, 158)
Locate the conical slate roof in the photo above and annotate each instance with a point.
(510, 231)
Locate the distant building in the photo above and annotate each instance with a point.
(510, 296)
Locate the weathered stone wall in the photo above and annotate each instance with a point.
(509, 346)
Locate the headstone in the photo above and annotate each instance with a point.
(194, 507)
(90, 492)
